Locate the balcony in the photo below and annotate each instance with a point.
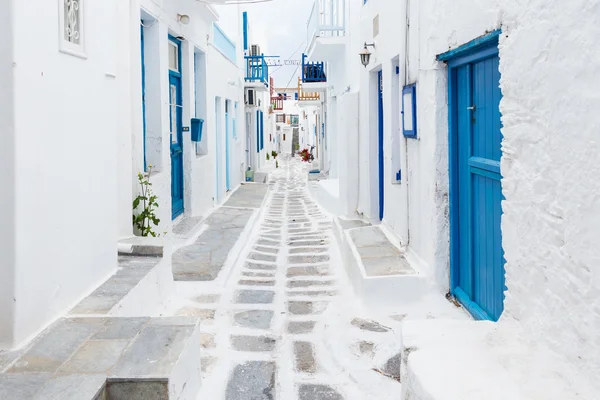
(313, 75)
(307, 98)
(257, 72)
(277, 103)
(326, 30)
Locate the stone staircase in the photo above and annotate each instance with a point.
(109, 347)
(109, 359)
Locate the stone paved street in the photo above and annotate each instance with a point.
(283, 325)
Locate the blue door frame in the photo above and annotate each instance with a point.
(227, 183)
(380, 140)
(176, 128)
(476, 254)
(143, 89)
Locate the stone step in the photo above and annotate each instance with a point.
(378, 269)
(109, 359)
(131, 271)
(141, 246)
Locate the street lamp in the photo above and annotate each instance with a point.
(365, 54)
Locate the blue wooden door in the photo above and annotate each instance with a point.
(143, 90)
(380, 140)
(227, 133)
(478, 265)
(175, 116)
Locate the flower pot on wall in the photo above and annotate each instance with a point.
(196, 129)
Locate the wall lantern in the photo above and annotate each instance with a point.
(365, 54)
(183, 18)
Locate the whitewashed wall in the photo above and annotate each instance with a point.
(417, 207)
(549, 74)
(548, 64)
(7, 179)
(59, 224)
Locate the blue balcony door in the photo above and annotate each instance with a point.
(227, 139)
(175, 116)
(476, 190)
(380, 140)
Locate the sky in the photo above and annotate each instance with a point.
(279, 28)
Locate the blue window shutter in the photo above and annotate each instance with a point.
(245, 24)
(262, 130)
(257, 131)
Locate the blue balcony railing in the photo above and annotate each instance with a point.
(257, 69)
(313, 71)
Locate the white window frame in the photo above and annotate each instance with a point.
(77, 50)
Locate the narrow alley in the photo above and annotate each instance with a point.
(299, 200)
(286, 324)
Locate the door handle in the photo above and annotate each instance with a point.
(471, 108)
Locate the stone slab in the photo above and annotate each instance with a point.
(248, 195)
(106, 296)
(120, 328)
(155, 351)
(306, 271)
(22, 386)
(300, 307)
(305, 357)
(187, 226)
(306, 284)
(94, 357)
(352, 223)
(257, 282)
(257, 319)
(56, 345)
(318, 392)
(378, 255)
(253, 380)
(300, 327)
(204, 259)
(254, 297)
(72, 387)
(309, 259)
(253, 343)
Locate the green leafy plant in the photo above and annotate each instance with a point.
(276, 164)
(268, 157)
(274, 154)
(146, 218)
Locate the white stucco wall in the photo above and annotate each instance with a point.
(7, 179)
(215, 76)
(65, 161)
(221, 72)
(548, 63)
(417, 207)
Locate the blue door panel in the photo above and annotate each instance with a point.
(478, 266)
(176, 128)
(380, 141)
(464, 121)
(227, 184)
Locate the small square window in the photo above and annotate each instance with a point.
(72, 24)
(173, 56)
(409, 111)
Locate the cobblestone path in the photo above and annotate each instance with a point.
(264, 335)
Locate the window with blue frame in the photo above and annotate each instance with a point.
(262, 130)
(409, 111)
